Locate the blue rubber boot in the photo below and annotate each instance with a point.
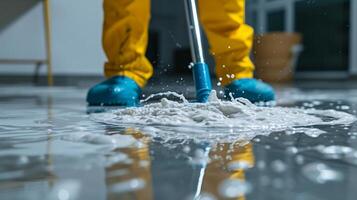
(251, 89)
(116, 91)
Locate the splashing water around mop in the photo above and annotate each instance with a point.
(220, 120)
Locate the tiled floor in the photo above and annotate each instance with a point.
(51, 149)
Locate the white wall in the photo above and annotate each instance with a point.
(76, 27)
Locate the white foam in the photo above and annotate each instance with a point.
(116, 141)
(238, 119)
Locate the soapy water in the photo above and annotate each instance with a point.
(236, 120)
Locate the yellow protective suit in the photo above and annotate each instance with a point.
(215, 172)
(125, 38)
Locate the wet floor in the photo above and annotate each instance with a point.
(51, 149)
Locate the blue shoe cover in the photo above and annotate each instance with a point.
(116, 91)
(251, 89)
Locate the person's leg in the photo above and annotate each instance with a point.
(231, 42)
(125, 38)
(230, 38)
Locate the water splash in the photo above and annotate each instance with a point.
(235, 120)
(169, 93)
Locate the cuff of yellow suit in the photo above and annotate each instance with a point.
(141, 81)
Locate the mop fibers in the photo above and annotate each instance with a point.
(220, 120)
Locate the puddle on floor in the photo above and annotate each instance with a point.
(51, 149)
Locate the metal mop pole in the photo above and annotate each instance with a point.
(200, 69)
(202, 174)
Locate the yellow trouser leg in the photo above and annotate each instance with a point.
(125, 38)
(230, 38)
(214, 173)
(136, 170)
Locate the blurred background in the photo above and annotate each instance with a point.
(295, 40)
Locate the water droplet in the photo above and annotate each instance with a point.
(345, 107)
(23, 160)
(65, 190)
(335, 151)
(321, 173)
(127, 186)
(261, 164)
(202, 196)
(237, 165)
(116, 173)
(232, 188)
(278, 183)
(186, 149)
(292, 150)
(63, 194)
(278, 166)
(200, 157)
(299, 159)
(144, 163)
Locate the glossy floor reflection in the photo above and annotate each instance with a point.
(51, 149)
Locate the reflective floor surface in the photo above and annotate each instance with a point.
(52, 149)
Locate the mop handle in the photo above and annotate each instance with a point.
(201, 75)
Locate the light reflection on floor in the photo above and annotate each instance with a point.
(50, 149)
